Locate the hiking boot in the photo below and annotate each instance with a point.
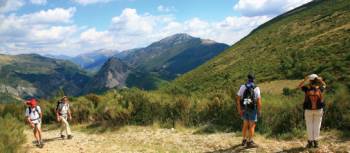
(309, 144)
(62, 136)
(315, 144)
(244, 142)
(251, 144)
(70, 137)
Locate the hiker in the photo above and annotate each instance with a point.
(249, 107)
(34, 115)
(63, 114)
(313, 86)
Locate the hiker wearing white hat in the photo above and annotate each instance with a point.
(313, 86)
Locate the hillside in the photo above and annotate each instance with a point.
(313, 38)
(34, 75)
(173, 55)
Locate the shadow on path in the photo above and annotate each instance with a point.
(235, 148)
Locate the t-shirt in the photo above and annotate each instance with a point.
(34, 114)
(312, 96)
(63, 108)
(243, 88)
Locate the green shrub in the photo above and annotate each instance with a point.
(11, 134)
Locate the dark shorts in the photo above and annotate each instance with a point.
(251, 115)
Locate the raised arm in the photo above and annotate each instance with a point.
(301, 84)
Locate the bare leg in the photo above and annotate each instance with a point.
(251, 129)
(245, 128)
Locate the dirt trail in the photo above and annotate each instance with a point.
(148, 139)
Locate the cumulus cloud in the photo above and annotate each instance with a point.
(87, 2)
(41, 31)
(54, 31)
(10, 5)
(131, 29)
(266, 7)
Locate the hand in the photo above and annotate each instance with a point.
(70, 118)
(259, 113)
(240, 113)
(32, 125)
(58, 119)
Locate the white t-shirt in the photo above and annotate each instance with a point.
(243, 88)
(63, 108)
(34, 115)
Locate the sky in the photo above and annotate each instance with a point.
(72, 27)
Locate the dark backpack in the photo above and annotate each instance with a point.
(248, 101)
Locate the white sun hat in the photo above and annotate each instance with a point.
(313, 76)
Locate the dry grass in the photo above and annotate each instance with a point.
(276, 87)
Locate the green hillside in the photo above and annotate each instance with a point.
(35, 75)
(314, 38)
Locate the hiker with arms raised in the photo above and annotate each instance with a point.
(34, 115)
(249, 107)
(63, 114)
(313, 86)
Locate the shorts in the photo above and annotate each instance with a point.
(250, 115)
(37, 125)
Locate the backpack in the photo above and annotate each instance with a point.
(307, 102)
(248, 101)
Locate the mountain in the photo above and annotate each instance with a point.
(173, 55)
(148, 68)
(313, 38)
(34, 75)
(112, 74)
(93, 61)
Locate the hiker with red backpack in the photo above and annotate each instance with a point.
(63, 114)
(313, 86)
(34, 115)
(249, 107)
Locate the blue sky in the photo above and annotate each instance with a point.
(73, 27)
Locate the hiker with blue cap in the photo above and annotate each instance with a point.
(249, 107)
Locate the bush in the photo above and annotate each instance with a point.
(11, 134)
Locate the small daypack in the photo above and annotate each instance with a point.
(248, 101)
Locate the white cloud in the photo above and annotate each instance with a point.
(10, 5)
(57, 15)
(39, 2)
(54, 31)
(40, 32)
(266, 7)
(87, 2)
(166, 9)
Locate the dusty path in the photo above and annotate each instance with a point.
(148, 139)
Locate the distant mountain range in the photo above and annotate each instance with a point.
(34, 75)
(162, 60)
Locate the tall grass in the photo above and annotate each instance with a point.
(11, 134)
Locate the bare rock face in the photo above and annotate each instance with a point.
(113, 74)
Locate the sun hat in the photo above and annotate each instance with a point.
(312, 76)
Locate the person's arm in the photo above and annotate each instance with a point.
(30, 122)
(301, 84)
(238, 104)
(69, 114)
(259, 106)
